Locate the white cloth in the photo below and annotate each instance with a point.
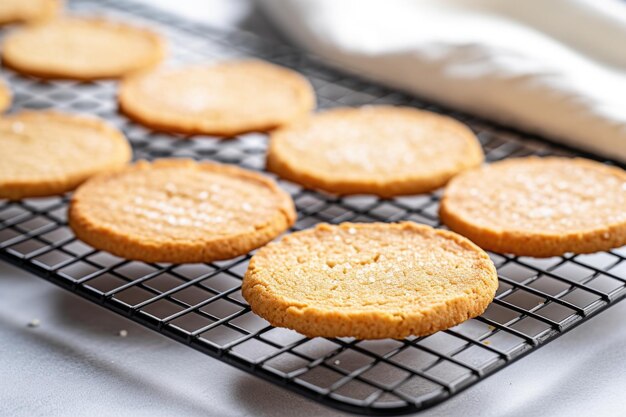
(554, 67)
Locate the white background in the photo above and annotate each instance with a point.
(74, 364)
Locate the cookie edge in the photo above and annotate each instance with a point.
(6, 96)
(128, 107)
(277, 163)
(52, 10)
(17, 190)
(155, 58)
(540, 245)
(315, 322)
(130, 247)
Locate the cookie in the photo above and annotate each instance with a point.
(539, 206)
(49, 153)
(381, 150)
(5, 96)
(28, 11)
(81, 49)
(222, 99)
(370, 281)
(179, 210)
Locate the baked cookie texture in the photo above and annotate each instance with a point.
(49, 153)
(28, 11)
(381, 150)
(81, 48)
(224, 99)
(179, 210)
(539, 206)
(5, 96)
(370, 281)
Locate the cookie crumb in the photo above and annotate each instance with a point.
(34, 323)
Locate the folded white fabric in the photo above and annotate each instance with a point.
(555, 67)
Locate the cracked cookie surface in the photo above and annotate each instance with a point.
(179, 210)
(370, 281)
(539, 206)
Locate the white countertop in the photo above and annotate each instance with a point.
(74, 363)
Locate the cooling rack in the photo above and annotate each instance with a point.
(200, 305)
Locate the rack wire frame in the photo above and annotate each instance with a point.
(200, 305)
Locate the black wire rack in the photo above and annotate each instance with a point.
(201, 305)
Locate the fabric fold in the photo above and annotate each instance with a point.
(555, 68)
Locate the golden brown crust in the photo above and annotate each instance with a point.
(180, 211)
(101, 49)
(29, 11)
(539, 207)
(5, 96)
(49, 153)
(222, 99)
(382, 150)
(370, 281)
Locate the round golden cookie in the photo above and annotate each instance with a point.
(18, 11)
(223, 99)
(5, 96)
(179, 210)
(381, 150)
(82, 49)
(539, 206)
(370, 281)
(48, 153)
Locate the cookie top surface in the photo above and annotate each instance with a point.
(14, 11)
(180, 211)
(225, 98)
(538, 201)
(48, 153)
(381, 150)
(81, 48)
(370, 280)
(5, 96)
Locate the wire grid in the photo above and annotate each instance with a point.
(201, 305)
